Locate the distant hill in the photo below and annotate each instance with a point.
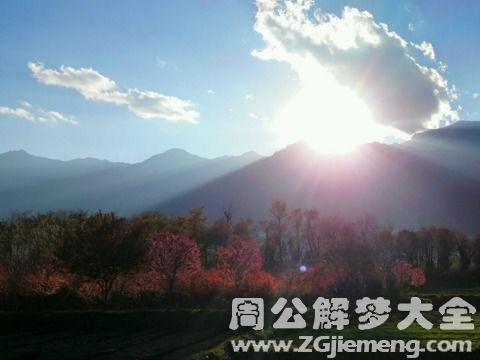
(30, 183)
(18, 169)
(431, 180)
(456, 146)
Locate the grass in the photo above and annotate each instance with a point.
(447, 292)
(183, 324)
(387, 331)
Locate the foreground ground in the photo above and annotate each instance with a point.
(189, 334)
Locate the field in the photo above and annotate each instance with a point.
(193, 334)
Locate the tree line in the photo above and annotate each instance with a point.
(83, 259)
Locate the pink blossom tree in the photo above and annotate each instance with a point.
(239, 260)
(173, 256)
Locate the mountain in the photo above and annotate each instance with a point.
(456, 146)
(30, 183)
(431, 180)
(19, 169)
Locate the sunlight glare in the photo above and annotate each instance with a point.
(326, 115)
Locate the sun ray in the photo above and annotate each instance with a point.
(329, 117)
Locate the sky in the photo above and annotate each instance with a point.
(126, 80)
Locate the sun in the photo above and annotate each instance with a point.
(329, 117)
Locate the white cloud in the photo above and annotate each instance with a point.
(88, 82)
(476, 95)
(37, 114)
(210, 91)
(17, 112)
(426, 48)
(377, 64)
(54, 117)
(25, 104)
(411, 26)
(249, 97)
(442, 66)
(94, 86)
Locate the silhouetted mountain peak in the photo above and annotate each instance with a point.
(177, 152)
(173, 154)
(251, 155)
(173, 158)
(300, 148)
(21, 158)
(459, 131)
(15, 154)
(473, 125)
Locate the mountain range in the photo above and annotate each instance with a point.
(433, 179)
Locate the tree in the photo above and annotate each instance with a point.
(406, 274)
(220, 232)
(20, 253)
(279, 213)
(148, 222)
(172, 256)
(243, 227)
(383, 245)
(195, 226)
(295, 241)
(100, 248)
(352, 254)
(239, 260)
(269, 246)
(407, 246)
(465, 251)
(445, 244)
(417, 277)
(402, 271)
(476, 253)
(426, 239)
(366, 227)
(312, 234)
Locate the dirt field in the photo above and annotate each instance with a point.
(112, 335)
(176, 334)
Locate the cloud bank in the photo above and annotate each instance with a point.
(94, 86)
(384, 70)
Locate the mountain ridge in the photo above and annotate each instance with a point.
(433, 179)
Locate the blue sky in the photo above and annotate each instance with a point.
(197, 51)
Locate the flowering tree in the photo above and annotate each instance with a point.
(47, 279)
(239, 260)
(211, 282)
(262, 284)
(406, 274)
(418, 277)
(173, 256)
(320, 278)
